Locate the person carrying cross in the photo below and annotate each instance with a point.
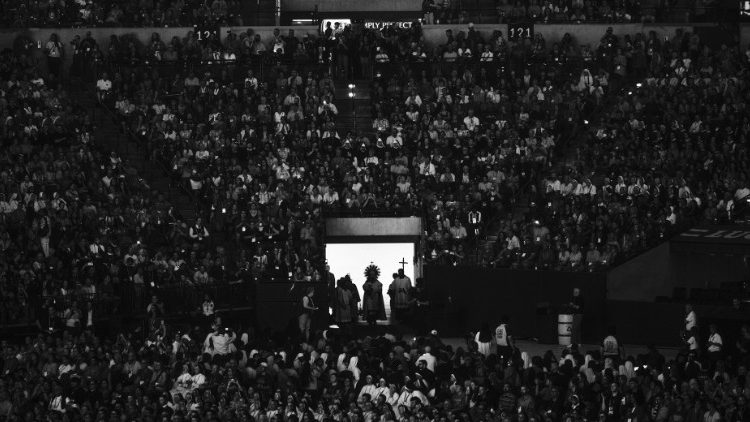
(400, 292)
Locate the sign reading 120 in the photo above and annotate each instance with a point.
(520, 31)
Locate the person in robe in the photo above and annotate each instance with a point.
(343, 309)
(331, 285)
(400, 292)
(373, 305)
(349, 285)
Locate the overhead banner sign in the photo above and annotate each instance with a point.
(716, 234)
(383, 226)
(382, 25)
(338, 24)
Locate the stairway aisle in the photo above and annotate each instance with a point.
(355, 115)
(109, 137)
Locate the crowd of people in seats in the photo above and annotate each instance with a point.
(456, 137)
(664, 155)
(473, 129)
(663, 135)
(222, 372)
(127, 13)
(79, 229)
(535, 11)
(464, 146)
(400, 165)
(46, 198)
(482, 131)
(662, 152)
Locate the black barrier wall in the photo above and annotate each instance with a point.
(279, 304)
(464, 297)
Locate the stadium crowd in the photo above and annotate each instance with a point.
(663, 155)
(607, 11)
(461, 138)
(215, 372)
(76, 222)
(663, 131)
(296, 157)
(129, 13)
(458, 137)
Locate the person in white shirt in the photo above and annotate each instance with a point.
(487, 55)
(585, 81)
(690, 318)
(369, 388)
(413, 99)
(394, 140)
(219, 342)
(429, 358)
(611, 347)
(715, 343)
(377, 390)
(408, 393)
(198, 379)
(103, 87)
(471, 121)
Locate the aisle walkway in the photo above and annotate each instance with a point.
(533, 348)
(537, 349)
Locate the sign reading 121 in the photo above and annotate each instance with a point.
(520, 31)
(205, 32)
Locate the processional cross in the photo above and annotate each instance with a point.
(403, 263)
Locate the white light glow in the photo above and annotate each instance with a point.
(353, 258)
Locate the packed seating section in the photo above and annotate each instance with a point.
(571, 157)
(500, 151)
(129, 13)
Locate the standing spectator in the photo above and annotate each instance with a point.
(715, 344)
(219, 345)
(45, 231)
(691, 320)
(306, 313)
(503, 340)
(55, 51)
(103, 88)
(576, 306)
(198, 231)
(483, 340)
(611, 347)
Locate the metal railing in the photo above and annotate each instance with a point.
(178, 298)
